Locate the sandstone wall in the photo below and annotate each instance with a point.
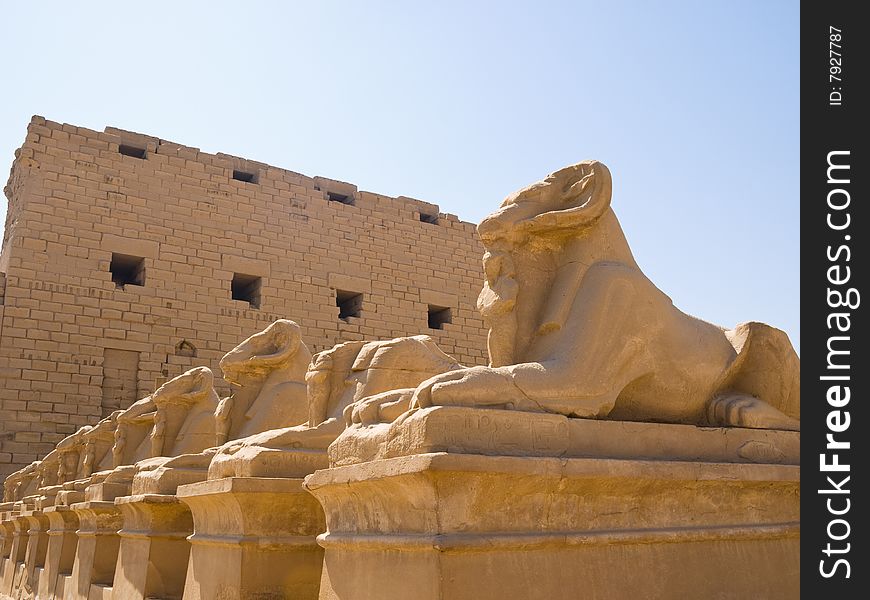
(93, 215)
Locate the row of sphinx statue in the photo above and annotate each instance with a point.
(283, 403)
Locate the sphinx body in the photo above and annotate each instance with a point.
(17, 485)
(267, 372)
(576, 328)
(373, 380)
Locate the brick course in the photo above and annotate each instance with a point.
(75, 200)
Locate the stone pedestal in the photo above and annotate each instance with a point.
(7, 530)
(253, 538)
(154, 551)
(697, 513)
(47, 496)
(14, 567)
(60, 555)
(34, 558)
(96, 551)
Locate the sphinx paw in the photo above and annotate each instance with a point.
(741, 410)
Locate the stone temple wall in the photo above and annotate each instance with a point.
(128, 259)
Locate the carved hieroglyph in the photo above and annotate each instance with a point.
(576, 328)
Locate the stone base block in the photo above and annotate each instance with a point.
(460, 430)
(107, 491)
(96, 551)
(7, 530)
(165, 480)
(34, 558)
(48, 496)
(253, 538)
(13, 569)
(442, 526)
(154, 552)
(60, 555)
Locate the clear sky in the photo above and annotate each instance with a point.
(693, 105)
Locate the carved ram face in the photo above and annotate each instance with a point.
(261, 353)
(188, 388)
(569, 199)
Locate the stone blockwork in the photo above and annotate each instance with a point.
(128, 259)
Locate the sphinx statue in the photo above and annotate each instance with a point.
(177, 417)
(46, 471)
(384, 373)
(66, 462)
(576, 328)
(70, 455)
(132, 429)
(267, 374)
(98, 442)
(184, 414)
(21, 483)
(607, 417)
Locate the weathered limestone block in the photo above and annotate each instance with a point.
(562, 508)
(34, 555)
(14, 567)
(60, 555)
(96, 551)
(7, 530)
(254, 538)
(493, 432)
(154, 549)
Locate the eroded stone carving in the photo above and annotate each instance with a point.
(577, 329)
(70, 455)
(18, 484)
(354, 380)
(267, 372)
(97, 445)
(132, 429)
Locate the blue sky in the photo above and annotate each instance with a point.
(694, 106)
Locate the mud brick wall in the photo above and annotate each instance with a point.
(128, 259)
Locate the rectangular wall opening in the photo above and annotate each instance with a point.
(247, 288)
(244, 176)
(127, 270)
(427, 218)
(438, 316)
(133, 151)
(341, 198)
(349, 304)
